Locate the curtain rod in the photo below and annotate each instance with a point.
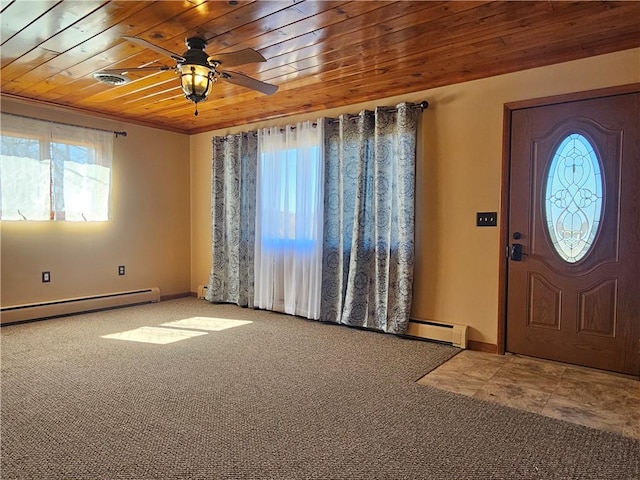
(423, 105)
(116, 133)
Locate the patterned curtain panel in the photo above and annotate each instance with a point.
(233, 204)
(368, 251)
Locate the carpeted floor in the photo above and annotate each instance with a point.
(277, 398)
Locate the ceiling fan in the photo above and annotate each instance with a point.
(198, 71)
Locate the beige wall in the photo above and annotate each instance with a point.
(459, 174)
(161, 202)
(149, 232)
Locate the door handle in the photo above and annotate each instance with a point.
(516, 252)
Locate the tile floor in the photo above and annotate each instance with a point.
(595, 398)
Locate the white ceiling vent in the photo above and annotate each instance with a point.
(111, 78)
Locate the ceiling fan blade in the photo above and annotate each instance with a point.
(151, 46)
(233, 59)
(248, 82)
(124, 71)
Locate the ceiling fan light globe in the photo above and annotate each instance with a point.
(196, 81)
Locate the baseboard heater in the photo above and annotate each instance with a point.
(56, 308)
(453, 333)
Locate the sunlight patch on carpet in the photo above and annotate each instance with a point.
(157, 335)
(207, 323)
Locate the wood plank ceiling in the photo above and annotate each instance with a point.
(321, 54)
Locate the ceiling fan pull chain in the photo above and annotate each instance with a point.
(196, 112)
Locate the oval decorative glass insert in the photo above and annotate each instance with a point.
(573, 196)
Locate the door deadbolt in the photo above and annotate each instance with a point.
(516, 252)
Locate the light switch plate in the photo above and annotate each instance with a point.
(486, 219)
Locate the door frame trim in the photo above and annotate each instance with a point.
(503, 218)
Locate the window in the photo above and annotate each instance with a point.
(574, 187)
(289, 201)
(51, 171)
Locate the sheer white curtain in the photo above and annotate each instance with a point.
(289, 219)
(52, 171)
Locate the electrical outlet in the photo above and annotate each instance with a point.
(486, 219)
(120, 269)
(46, 277)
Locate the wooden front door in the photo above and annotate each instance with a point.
(573, 292)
